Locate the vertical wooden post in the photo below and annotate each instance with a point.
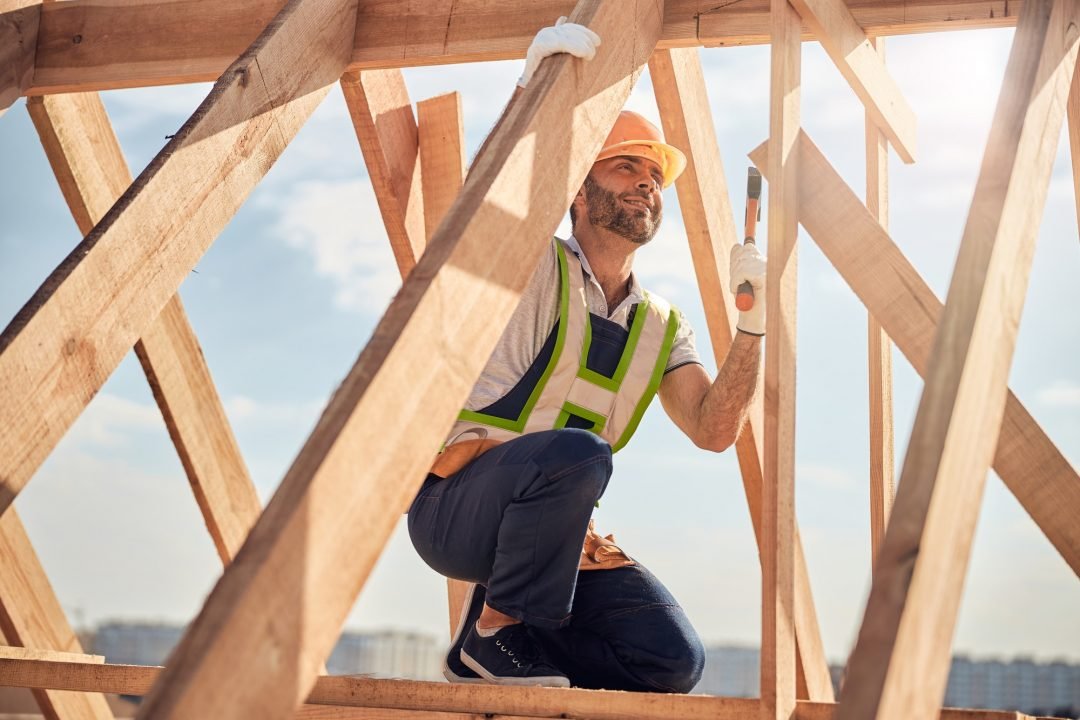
(900, 663)
(441, 130)
(1074, 139)
(681, 95)
(778, 516)
(879, 347)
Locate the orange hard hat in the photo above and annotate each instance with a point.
(634, 135)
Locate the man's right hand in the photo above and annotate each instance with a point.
(562, 37)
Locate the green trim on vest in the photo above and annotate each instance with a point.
(654, 381)
(599, 421)
(518, 425)
(615, 381)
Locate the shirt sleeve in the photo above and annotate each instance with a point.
(683, 349)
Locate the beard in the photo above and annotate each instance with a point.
(606, 210)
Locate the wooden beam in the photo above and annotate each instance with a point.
(879, 347)
(502, 703)
(22, 653)
(681, 95)
(1027, 461)
(69, 337)
(778, 506)
(1073, 117)
(89, 165)
(277, 609)
(442, 155)
(382, 115)
(31, 616)
(90, 45)
(900, 664)
(19, 20)
(855, 57)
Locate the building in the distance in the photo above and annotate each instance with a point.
(731, 671)
(1021, 684)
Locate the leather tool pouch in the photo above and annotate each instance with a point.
(601, 553)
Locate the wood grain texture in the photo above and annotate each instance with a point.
(879, 347)
(22, 653)
(338, 698)
(683, 101)
(69, 337)
(855, 57)
(253, 649)
(382, 116)
(441, 129)
(778, 496)
(86, 158)
(900, 664)
(19, 21)
(1028, 462)
(31, 616)
(155, 42)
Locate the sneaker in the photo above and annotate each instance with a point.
(453, 669)
(511, 656)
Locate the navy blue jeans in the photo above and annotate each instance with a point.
(514, 521)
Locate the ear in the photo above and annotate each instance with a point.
(579, 201)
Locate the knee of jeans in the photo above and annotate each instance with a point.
(578, 453)
(684, 670)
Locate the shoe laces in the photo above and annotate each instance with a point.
(520, 646)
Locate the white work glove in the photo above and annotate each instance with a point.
(563, 37)
(748, 265)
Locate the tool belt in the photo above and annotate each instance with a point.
(597, 553)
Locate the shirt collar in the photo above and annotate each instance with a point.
(637, 293)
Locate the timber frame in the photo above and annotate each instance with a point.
(255, 648)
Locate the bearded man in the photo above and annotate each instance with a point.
(508, 504)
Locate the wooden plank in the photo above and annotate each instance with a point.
(22, 653)
(19, 21)
(855, 57)
(89, 165)
(900, 664)
(879, 347)
(778, 495)
(277, 609)
(681, 95)
(441, 130)
(1073, 117)
(382, 115)
(69, 337)
(337, 696)
(31, 616)
(150, 42)
(1027, 461)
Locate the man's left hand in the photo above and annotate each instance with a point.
(562, 37)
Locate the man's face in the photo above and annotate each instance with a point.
(622, 194)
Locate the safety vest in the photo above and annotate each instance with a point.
(611, 406)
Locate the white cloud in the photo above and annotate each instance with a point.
(246, 411)
(339, 225)
(1062, 393)
(824, 476)
(110, 420)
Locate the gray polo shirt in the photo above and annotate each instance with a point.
(534, 318)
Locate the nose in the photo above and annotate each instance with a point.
(647, 182)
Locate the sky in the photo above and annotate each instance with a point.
(289, 293)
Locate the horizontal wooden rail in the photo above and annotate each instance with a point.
(91, 45)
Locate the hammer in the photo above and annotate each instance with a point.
(744, 298)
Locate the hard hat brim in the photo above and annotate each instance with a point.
(671, 159)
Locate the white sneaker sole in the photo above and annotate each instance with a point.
(539, 680)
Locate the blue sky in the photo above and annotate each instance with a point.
(289, 293)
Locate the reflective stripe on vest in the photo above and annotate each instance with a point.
(568, 387)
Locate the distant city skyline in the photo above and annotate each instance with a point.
(289, 293)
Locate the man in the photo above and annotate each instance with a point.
(508, 503)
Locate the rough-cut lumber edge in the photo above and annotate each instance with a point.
(335, 697)
(746, 22)
(441, 132)
(1028, 462)
(778, 491)
(681, 96)
(31, 616)
(64, 343)
(19, 21)
(857, 60)
(879, 347)
(1074, 139)
(441, 135)
(11, 652)
(253, 648)
(900, 664)
(382, 116)
(86, 158)
(149, 42)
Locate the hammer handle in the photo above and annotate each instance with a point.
(744, 298)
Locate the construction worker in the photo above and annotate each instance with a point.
(508, 503)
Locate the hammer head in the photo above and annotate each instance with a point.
(753, 184)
